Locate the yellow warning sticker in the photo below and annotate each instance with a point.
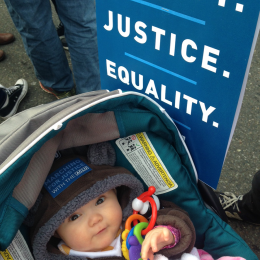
(142, 155)
(17, 250)
(6, 255)
(156, 162)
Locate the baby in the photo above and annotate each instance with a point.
(82, 210)
(102, 218)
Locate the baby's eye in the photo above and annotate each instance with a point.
(74, 217)
(100, 200)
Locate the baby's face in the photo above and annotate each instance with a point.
(94, 226)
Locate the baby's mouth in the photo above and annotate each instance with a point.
(101, 231)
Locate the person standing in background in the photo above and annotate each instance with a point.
(33, 20)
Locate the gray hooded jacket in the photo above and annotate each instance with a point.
(52, 210)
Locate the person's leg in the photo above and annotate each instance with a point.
(33, 20)
(60, 29)
(79, 20)
(250, 204)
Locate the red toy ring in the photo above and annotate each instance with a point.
(146, 196)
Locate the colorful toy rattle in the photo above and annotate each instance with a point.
(134, 237)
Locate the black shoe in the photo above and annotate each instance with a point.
(230, 204)
(14, 96)
(60, 32)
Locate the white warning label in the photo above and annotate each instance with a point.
(140, 152)
(17, 250)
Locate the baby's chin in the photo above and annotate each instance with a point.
(99, 246)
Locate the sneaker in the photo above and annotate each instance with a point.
(59, 94)
(15, 95)
(230, 204)
(60, 32)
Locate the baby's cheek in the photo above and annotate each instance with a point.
(117, 217)
(77, 240)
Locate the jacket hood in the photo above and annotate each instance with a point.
(72, 183)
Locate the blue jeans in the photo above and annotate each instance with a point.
(33, 20)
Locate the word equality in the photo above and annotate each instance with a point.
(151, 89)
(141, 37)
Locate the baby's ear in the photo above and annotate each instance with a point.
(56, 234)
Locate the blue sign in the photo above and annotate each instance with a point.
(192, 57)
(63, 177)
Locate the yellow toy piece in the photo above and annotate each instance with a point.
(124, 248)
(125, 234)
(127, 230)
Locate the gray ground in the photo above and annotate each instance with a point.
(242, 159)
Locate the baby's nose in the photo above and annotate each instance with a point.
(95, 219)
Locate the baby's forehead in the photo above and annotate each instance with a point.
(107, 193)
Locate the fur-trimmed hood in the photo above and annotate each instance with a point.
(54, 207)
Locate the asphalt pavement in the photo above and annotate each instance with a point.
(243, 157)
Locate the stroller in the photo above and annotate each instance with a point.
(29, 142)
